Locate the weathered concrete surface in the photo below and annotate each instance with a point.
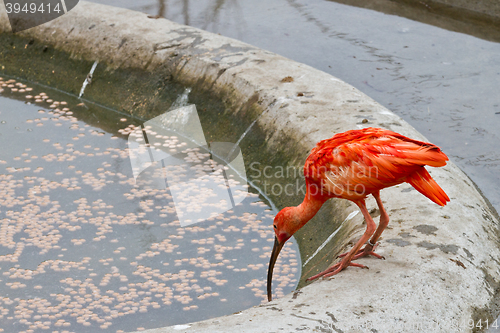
(442, 263)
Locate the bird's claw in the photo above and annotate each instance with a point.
(335, 269)
(366, 251)
(364, 254)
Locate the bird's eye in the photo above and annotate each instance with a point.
(274, 226)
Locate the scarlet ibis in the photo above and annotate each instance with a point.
(353, 165)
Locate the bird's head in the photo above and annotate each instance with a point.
(285, 224)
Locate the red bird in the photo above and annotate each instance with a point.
(353, 165)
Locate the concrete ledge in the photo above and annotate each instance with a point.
(442, 263)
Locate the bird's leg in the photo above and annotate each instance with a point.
(384, 221)
(372, 244)
(346, 261)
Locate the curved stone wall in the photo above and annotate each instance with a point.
(442, 263)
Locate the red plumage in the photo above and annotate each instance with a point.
(353, 165)
(356, 163)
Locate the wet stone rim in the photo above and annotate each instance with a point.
(437, 281)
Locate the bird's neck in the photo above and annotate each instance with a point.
(309, 207)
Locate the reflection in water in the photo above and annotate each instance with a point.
(185, 11)
(213, 15)
(162, 8)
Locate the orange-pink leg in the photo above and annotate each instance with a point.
(346, 261)
(371, 245)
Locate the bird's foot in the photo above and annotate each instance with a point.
(368, 250)
(330, 271)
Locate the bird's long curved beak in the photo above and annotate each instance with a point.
(274, 256)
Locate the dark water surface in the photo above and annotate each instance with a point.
(85, 249)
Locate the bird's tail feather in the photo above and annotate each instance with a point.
(422, 181)
(420, 155)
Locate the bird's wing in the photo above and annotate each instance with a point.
(368, 162)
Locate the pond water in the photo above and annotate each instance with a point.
(86, 247)
(444, 83)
